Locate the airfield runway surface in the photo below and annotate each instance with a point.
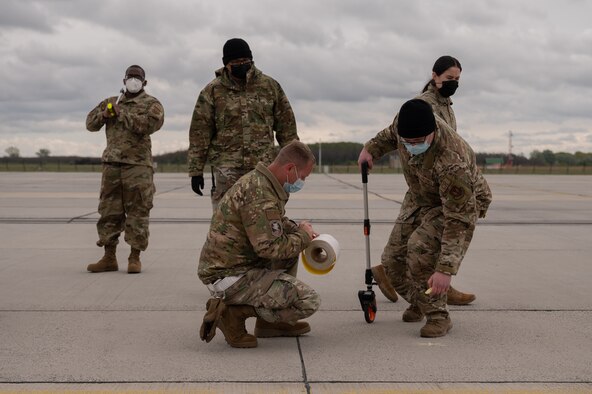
(63, 328)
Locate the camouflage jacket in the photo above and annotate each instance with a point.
(445, 176)
(442, 106)
(233, 124)
(249, 229)
(128, 135)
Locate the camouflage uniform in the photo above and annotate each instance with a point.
(127, 187)
(383, 143)
(442, 106)
(232, 127)
(249, 235)
(447, 193)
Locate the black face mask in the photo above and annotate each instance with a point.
(240, 70)
(448, 88)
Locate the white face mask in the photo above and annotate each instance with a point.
(133, 85)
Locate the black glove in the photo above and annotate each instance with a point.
(197, 183)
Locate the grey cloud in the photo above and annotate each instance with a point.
(483, 14)
(149, 23)
(345, 63)
(24, 15)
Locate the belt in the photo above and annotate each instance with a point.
(219, 287)
(116, 163)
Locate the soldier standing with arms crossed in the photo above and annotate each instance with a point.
(127, 186)
(234, 121)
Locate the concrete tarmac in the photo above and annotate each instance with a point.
(65, 329)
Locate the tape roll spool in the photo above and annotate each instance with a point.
(320, 256)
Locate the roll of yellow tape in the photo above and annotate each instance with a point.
(320, 256)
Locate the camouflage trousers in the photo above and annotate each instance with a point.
(276, 295)
(411, 254)
(225, 177)
(126, 199)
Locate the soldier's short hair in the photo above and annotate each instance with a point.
(295, 152)
(134, 69)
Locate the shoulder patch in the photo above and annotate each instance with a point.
(276, 228)
(155, 111)
(275, 222)
(457, 192)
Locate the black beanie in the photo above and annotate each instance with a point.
(236, 48)
(416, 119)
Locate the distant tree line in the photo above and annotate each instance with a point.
(53, 159)
(547, 157)
(333, 153)
(538, 158)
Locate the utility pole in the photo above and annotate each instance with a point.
(510, 156)
(320, 158)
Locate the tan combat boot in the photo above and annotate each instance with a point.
(107, 263)
(384, 283)
(264, 329)
(232, 325)
(436, 328)
(455, 297)
(134, 265)
(412, 314)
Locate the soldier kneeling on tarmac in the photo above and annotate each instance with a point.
(250, 256)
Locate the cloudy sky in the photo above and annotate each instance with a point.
(346, 66)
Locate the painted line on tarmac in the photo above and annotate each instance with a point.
(83, 219)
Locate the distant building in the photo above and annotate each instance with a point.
(494, 162)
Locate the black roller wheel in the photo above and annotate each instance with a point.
(370, 312)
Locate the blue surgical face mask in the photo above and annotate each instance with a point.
(294, 187)
(416, 149)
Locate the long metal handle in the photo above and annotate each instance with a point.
(366, 215)
(364, 172)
